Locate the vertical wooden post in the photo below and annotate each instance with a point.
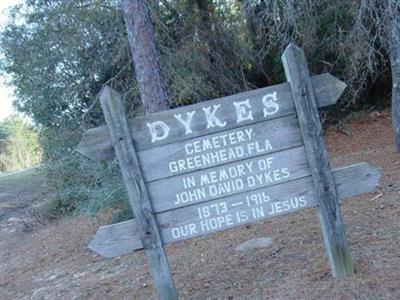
(114, 114)
(297, 74)
(393, 28)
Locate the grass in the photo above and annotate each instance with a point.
(25, 180)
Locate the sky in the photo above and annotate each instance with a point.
(5, 91)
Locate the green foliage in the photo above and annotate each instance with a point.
(77, 183)
(19, 146)
(82, 186)
(59, 54)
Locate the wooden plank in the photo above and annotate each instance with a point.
(220, 148)
(114, 114)
(333, 228)
(117, 239)
(96, 143)
(234, 178)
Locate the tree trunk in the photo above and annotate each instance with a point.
(152, 85)
(394, 56)
(154, 96)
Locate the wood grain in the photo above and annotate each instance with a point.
(333, 228)
(121, 238)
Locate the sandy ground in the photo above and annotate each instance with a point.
(52, 262)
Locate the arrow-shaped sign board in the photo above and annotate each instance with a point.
(225, 113)
(222, 163)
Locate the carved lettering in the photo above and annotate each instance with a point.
(155, 134)
(243, 111)
(271, 106)
(211, 118)
(186, 123)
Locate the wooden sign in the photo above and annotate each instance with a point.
(226, 162)
(222, 115)
(176, 225)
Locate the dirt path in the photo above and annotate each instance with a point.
(53, 262)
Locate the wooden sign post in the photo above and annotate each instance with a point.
(226, 162)
(113, 109)
(296, 70)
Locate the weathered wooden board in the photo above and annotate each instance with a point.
(229, 179)
(296, 70)
(220, 148)
(138, 197)
(223, 114)
(122, 238)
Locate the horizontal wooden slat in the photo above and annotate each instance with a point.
(220, 148)
(96, 143)
(238, 177)
(122, 238)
